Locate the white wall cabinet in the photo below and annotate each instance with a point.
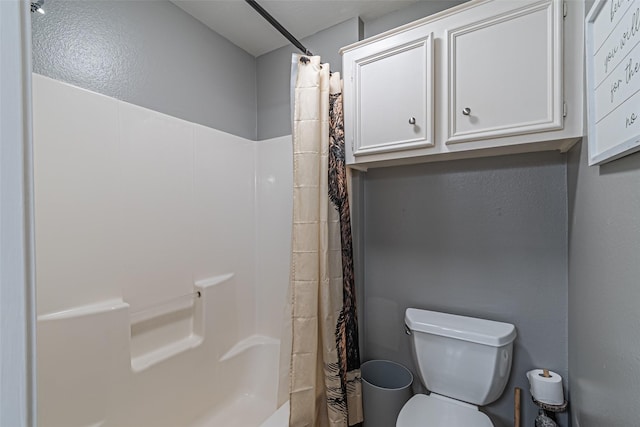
(485, 78)
(504, 73)
(397, 113)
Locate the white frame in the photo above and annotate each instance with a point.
(621, 148)
(17, 273)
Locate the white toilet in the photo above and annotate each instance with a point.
(463, 361)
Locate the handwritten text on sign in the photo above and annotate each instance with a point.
(614, 61)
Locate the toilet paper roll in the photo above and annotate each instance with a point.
(546, 389)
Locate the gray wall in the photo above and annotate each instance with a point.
(484, 238)
(274, 75)
(149, 53)
(408, 14)
(604, 291)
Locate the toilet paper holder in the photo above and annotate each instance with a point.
(547, 409)
(549, 397)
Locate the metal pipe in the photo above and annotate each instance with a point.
(274, 22)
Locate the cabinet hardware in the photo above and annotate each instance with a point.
(466, 111)
(412, 121)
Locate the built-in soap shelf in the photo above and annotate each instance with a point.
(164, 329)
(167, 328)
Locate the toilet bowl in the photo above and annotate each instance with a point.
(464, 362)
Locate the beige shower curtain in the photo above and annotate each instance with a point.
(324, 386)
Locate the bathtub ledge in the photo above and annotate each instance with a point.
(247, 343)
(85, 310)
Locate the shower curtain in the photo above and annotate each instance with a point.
(325, 387)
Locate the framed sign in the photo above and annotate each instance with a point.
(613, 79)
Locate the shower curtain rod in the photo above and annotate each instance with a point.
(274, 22)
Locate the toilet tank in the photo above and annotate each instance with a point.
(461, 357)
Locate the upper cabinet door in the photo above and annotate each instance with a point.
(392, 104)
(504, 72)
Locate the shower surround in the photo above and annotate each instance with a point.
(162, 253)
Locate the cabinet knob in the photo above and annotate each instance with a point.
(412, 121)
(466, 111)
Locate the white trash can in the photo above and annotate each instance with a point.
(386, 387)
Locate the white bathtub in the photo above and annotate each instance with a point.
(280, 418)
(254, 364)
(93, 373)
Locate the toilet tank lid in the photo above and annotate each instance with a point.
(481, 331)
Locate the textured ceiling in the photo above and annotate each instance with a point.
(238, 22)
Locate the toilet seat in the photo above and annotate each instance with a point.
(439, 411)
